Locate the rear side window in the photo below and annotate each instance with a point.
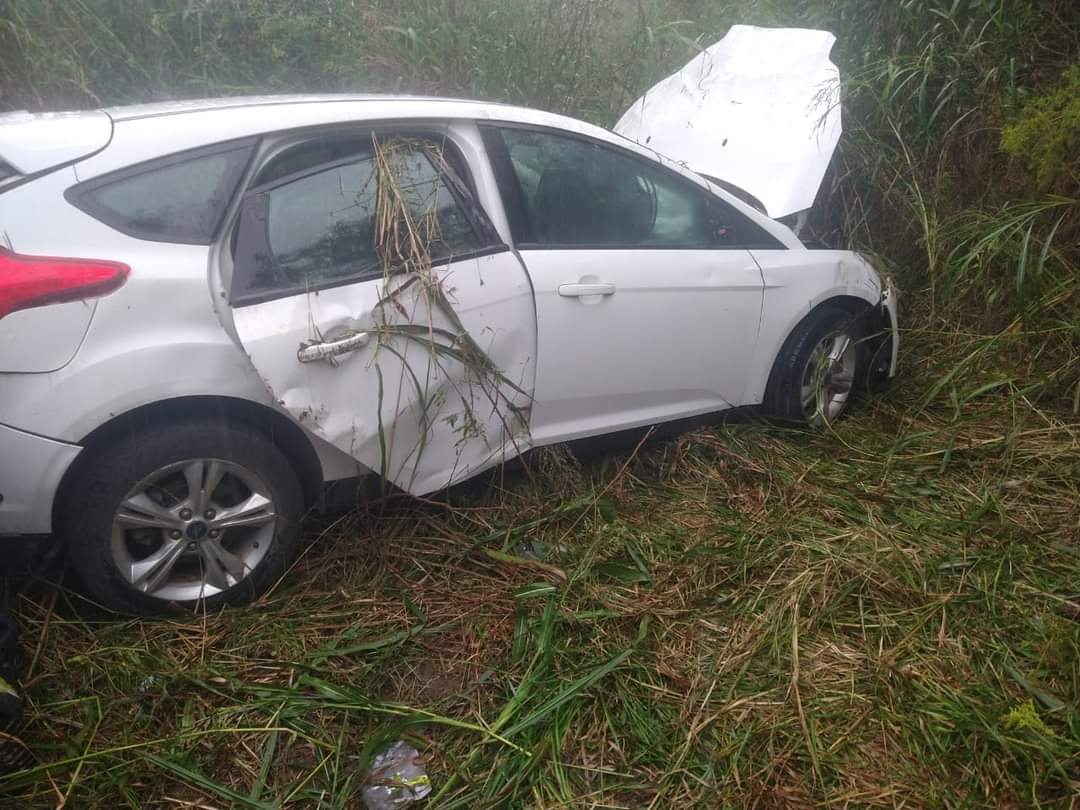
(317, 228)
(322, 226)
(181, 198)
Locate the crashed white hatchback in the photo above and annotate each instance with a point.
(212, 311)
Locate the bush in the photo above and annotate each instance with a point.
(1045, 136)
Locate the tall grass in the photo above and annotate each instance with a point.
(929, 85)
(883, 616)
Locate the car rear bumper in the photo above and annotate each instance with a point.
(31, 468)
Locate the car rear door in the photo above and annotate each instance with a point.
(648, 302)
(382, 309)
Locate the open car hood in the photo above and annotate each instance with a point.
(760, 109)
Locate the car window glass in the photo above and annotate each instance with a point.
(330, 147)
(322, 226)
(576, 192)
(442, 224)
(319, 228)
(178, 201)
(312, 153)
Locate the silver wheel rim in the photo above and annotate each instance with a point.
(193, 529)
(828, 379)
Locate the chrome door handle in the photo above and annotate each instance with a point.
(578, 290)
(313, 352)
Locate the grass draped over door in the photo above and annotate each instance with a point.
(454, 385)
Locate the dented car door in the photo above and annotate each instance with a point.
(383, 310)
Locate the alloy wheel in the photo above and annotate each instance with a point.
(828, 379)
(193, 529)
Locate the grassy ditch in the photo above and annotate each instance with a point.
(884, 616)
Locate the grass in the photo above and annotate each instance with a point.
(737, 616)
(887, 615)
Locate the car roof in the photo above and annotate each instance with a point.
(236, 116)
(129, 112)
(146, 131)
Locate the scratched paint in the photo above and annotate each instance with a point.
(433, 423)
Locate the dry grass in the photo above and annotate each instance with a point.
(738, 616)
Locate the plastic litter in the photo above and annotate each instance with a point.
(396, 778)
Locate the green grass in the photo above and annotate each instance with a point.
(883, 616)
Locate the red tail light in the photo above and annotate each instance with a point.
(34, 281)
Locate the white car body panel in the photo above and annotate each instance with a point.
(67, 370)
(60, 328)
(760, 109)
(30, 471)
(795, 283)
(673, 338)
(32, 142)
(367, 404)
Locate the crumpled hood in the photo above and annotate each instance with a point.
(759, 109)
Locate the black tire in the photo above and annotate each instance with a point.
(783, 395)
(106, 477)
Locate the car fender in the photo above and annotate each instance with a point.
(799, 281)
(110, 378)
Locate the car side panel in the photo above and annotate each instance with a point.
(674, 338)
(797, 281)
(156, 338)
(43, 338)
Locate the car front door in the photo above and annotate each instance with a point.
(647, 301)
(381, 308)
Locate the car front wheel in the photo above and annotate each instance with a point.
(182, 516)
(818, 372)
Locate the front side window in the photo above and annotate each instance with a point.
(575, 192)
(343, 221)
(177, 199)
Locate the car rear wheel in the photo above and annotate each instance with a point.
(818, 371)
(182, 516)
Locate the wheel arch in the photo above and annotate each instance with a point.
(279, 429)
(852, 304)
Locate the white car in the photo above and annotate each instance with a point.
(204, 322)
